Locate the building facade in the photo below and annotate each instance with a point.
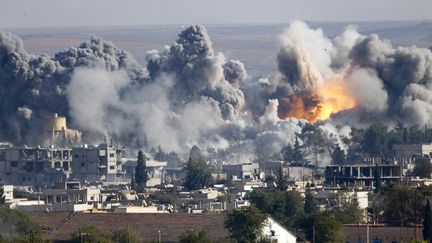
(34, 166)
(363, 174)
(102, 163)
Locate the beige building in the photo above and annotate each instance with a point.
(245, 171)
(56, 132)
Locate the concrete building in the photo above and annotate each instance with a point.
(8, 192)
(300, 173)
(155, 170)
(34, 166)
(334, 197)
(362, 174)
(272, 168)
(102, 163)
(245, 171)
(64, 196)
(55, 131)
(173, 175)
(405, 152)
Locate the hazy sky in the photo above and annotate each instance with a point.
(42, 13)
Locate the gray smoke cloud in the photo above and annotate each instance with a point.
(33, 87)
(388, 83)
(188, 94)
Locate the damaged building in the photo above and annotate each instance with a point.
(102, 163)
(34, 166)
(363, 174)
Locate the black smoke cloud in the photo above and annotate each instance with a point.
(187, 94)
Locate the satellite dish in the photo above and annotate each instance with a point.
(262, 175)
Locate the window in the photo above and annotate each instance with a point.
(65, 165)
(57, 165)
(76, 156)
(29, 166)
(14, 163)
(38, 167)
(112, 155)
(82, 164)
(112, 167)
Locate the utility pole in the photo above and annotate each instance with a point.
(313, 234)
(367, 231)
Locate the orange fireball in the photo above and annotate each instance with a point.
(319, 104)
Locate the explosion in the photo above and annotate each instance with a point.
(319, 104)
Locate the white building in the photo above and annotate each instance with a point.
(276, 232)
(8, 192)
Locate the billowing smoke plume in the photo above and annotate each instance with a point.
(33, 87)
(187, 94)
(354, 78)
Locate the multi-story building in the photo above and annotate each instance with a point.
(102, 163)
(243, 171)
(406, 152)
(363, 174)
(34, 166)
(155, 169)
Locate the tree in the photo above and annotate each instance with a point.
(90, 234)
(374, 141)
(427, 221)
(337, 155)
(400, 205)
(376, 209)
(126, 236)
(286, 207)
(191, 236)
(377, 179)
(245, 224)
(299, 155)
(327, 229)
(347, 210)
(315, 140)
(422, 168)
(141, 175)
(19, 226)
(198, 175)
(294, 153)
(288, 153)
(282, 180)
(322, 227)
(310, 206)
